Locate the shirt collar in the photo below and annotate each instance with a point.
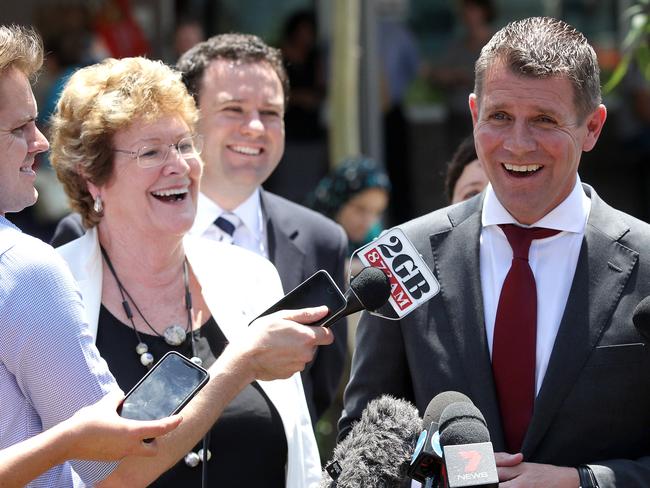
(571, 215)
(250, 213)
(4, 222)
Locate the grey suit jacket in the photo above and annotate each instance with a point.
(594, 404)
(301, 242)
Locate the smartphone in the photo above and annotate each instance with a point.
(318, 289)
(165, 389)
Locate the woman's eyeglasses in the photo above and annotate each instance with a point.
(154, 155)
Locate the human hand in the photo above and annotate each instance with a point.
(514, 473)
(97, 432)
(281, 344)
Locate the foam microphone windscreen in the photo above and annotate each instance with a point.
(371, 287)
(462, 423)
(437, 405)
(378, 448)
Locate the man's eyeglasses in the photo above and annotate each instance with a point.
(156, 154)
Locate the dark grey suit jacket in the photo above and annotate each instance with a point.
(594, 404)
(300, 242)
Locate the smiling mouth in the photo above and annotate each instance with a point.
(28, 169)
(523, 170)
(174, 195)
(246, 150)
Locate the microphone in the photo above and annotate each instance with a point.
(369, 290)
(377, 450)
(641, 318)
(427, 456)
(467, 451)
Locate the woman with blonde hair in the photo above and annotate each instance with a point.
(124, 147)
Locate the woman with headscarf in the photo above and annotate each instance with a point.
(354, 194)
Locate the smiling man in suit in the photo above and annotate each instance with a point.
(241, 88)
(539, 279)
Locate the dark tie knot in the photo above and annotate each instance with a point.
(227, 222)
(520, 238)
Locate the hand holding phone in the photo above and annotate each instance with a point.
(165, 389)
(319, 289)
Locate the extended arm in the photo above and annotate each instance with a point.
(274, 347)
(94, 433)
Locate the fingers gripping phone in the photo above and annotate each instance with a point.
(319, 289)
(165, 389)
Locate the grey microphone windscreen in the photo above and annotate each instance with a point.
(378, 448)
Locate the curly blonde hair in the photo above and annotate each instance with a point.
(96, 103)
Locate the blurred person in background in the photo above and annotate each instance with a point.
(465, 176)
(188, 33)
(400, 62)
(453, 72)
(355, 194)
(305, 159)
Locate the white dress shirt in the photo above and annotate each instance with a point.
(553, 261)
(249, 234)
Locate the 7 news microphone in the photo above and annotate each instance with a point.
(468, 455)
(454, 448)
(426, 463)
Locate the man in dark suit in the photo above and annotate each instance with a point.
(241, 87)
(573, 408)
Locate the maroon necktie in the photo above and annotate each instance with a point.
(515, 337)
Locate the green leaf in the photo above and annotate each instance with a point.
(617, 75)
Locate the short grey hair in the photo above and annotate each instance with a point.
(543, 47)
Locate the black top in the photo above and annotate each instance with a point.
(248, 444)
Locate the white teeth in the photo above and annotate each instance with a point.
(251, 151)
(169, 193)
(523, 168)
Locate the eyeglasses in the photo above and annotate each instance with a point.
(156, 154)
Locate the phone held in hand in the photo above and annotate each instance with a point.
(165, 389)
(319, 289)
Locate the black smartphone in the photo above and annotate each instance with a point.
(165, 389)
(318, 289)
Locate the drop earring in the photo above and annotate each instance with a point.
(98, 206)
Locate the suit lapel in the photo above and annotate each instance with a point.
(604, 266)
(281, 233)
(456, 261)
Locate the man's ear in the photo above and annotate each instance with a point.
(473, 108)
(595, 123)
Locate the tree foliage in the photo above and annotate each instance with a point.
(636, 45)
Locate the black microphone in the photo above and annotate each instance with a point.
(467, 451)
(369, 290)
(427, 456)
(641, 318)
(377, 450)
